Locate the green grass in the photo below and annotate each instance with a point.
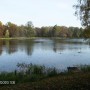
(76, 81)
(18, 38)
(36, 77)
(28, 73)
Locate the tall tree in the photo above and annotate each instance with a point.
(30, 32)
(12, 29)
(55, 31)
(83, 11)
(7, 34)
(1, 29)
(44, 31)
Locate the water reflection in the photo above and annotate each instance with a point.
(1, 45)
(60, 53)
(12, 46)
(27, 46)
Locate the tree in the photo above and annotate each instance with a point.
(86, 32)
(12, 29)
(22, 31)
(44, 31)
(38, 32)
(7, 34)
(56, 31)
(1, 29)
(30, 32)
(83, 11)
(64, 32)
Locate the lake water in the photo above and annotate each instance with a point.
(59, 53)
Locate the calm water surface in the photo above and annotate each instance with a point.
(59, 53)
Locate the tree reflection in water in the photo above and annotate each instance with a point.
(12, 46)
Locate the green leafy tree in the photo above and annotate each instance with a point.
(86, 32)
(64, 32)
(7, 34)
(83, 11)
(1, 29)
(56, 31)
(13, 31)
(44, 31)
(30, 32)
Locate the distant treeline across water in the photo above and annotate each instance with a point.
(28, 30)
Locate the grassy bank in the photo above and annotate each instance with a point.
(35, 77)
(18, 38)
(76, 81)
(28, 73)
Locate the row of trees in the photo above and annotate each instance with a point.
(59, 31)
(13, 30)
(28, 30)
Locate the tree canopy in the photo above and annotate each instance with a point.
(28, 30)
(83, 11)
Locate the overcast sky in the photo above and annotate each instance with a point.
(40, 12)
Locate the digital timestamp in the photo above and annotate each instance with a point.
(7, 82)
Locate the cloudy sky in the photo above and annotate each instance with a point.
(40, 12)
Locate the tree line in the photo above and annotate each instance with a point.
(28, 30)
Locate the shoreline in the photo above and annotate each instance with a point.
(38, 38)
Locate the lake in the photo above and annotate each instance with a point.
(59, 53)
